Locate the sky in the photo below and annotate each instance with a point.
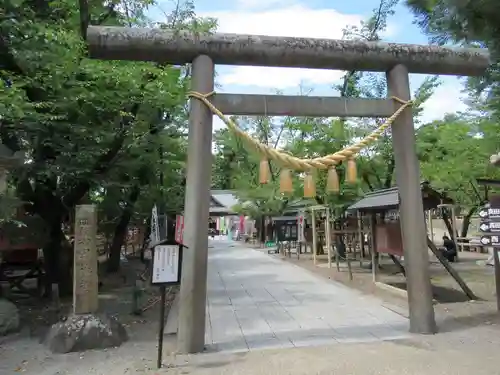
(310, 18)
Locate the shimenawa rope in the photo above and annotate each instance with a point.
(285, 160)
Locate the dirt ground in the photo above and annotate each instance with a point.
(447, 294)
(468, 341)
(471, 351)
(23, 352)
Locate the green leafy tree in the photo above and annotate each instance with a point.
(377, 163)
(469, 23)
(453, 153)
(236, 167)
(88, 127)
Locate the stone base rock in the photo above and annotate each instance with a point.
(9, 317)
(85, 332)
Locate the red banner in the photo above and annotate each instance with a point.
(179, 228)
(242, 224)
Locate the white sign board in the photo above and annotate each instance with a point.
(166, 264)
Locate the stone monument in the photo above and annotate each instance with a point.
(86, 328)
(85, 278)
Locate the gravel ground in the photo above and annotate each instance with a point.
(448, 354)
(460, 349)
(23, 352)
(468, 343)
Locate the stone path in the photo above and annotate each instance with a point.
(258, 301)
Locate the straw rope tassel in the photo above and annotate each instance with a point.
(264, 171)
(309, 185)
(332, 180)
(351, 174)
(286, 183)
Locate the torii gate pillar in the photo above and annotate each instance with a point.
(193, 294)
(411, 209)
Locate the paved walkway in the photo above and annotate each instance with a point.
(259, 301)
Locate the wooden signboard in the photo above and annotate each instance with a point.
(167, 264)
(389, 239)
(287, 230)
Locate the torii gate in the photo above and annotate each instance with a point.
(203, 51)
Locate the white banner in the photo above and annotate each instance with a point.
(154, 235)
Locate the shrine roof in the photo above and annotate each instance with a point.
(388, 199)
(222, 202)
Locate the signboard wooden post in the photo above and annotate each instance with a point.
(85, 278)
(167, 266)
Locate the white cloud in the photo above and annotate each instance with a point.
(262, 4)
(278, 78)
(447, 98)
(292, 21)
(280, 18)
(218, 124)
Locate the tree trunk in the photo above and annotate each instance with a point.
(339, 240)
(466, 222)
(447, 222)
(171, 227)
(58, 258)
(261, 234)
(117, 243)
(121, 231)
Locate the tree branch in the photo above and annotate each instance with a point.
(104, 162)
(389, 173)
(105, 16)
(84, 18)
(101, 166)
(366, 179)
(379, 181)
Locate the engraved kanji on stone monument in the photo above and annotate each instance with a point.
(85, 278)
